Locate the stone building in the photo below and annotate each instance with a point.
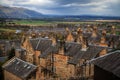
(34, 47)
(17, 69)
(65, 58)
(81, 57)
(107, 67)
(20, 53)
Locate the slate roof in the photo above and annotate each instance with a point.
(19, 67)
(50, 50)
(114, 38)
(43, 44)
(91, 53)
(34, 42)
(40, 44)
(71, 48)
(109, 62)
(15, 43)
(94, 39)
(8, 44)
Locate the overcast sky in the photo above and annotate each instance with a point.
(69, 7)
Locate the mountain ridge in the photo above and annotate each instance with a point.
(16, 12)
(23, 13)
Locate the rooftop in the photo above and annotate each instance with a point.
(19, 67)
(109, 62)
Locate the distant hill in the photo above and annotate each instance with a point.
(14, 12)
(22, 13)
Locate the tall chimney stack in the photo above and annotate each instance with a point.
(84, 45)
(79, 36)
(69, 36)
(94, 33)
(103, 38)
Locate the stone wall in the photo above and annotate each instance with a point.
(10, 76)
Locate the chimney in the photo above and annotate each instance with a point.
(79, 36)
(113, 30)
(79, 31)
(53, 41)
(88, 29)
(84, 45)
(67, 30)
(23, 39)
(69, 36)
(94, 33)
(62, 47)
(103, 38)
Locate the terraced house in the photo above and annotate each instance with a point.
(17, 69)
(65, 59)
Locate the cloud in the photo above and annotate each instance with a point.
(69, 7)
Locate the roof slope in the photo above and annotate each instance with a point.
(34, 42)
(91, 53)
(40, 43)
(109, 62)
(50, 50)
(19, 67)
(44, 44)
(72, 48)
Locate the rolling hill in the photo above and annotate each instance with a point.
(14, 12)
(22, 13)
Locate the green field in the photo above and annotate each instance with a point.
(32, 22)
(39, 22)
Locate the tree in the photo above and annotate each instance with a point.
(11, 53)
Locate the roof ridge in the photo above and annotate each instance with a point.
(102, 56)
(25, 62)
(38, 43)
(6, 63)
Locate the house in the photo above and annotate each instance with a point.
(107, 67)
(66, 58)
(20, 53)
(17, 69)
(82, 56)
(54, 60)
(35, 47)
(6, 46)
